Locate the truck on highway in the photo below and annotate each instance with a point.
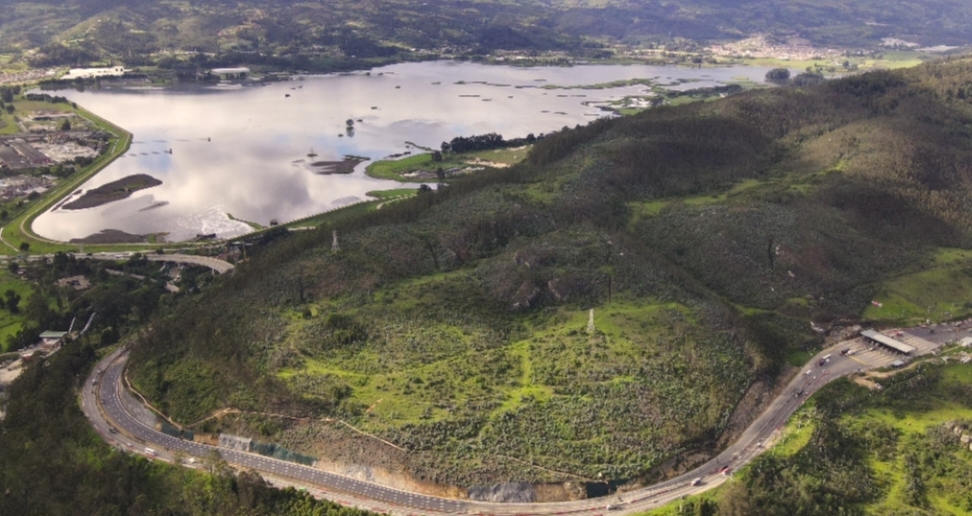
(151, 452)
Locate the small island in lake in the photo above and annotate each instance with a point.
(345, 166)
(113, 191)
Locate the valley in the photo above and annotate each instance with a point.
(599, 313)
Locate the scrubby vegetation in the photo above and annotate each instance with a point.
(706, 237)
(855, 451)
(51, 460)
(53, 463)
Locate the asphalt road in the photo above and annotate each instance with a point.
(216, 264)
(102, 405)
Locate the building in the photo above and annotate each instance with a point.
(91, 73)
(75, 282)
(887, 342)
(52, 338)
(231, 73)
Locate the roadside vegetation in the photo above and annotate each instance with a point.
(851, 450)
(51, 460)
(706, 237)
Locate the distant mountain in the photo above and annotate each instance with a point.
(317, 34)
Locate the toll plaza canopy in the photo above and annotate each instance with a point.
(884, 340)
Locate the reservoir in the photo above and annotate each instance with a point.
(231, 153)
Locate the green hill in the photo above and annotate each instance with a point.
(706, 237)
(341, 34)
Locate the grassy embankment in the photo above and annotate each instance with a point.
(940, 292)
(396, 169)
(18, 230)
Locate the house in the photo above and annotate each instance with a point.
(76, 282)
(51, 339)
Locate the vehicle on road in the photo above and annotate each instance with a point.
(151, 452)
(697, 481)
(614, 507)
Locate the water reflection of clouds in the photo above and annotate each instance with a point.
(234, 148)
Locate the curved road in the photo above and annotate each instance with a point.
(215, 264)
(102, 404)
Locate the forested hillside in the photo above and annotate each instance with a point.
(706, 238)
(336, 34)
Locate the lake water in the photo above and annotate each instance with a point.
(240, 152)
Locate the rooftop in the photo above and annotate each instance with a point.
(884, 340)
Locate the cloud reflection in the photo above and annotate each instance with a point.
(233, 149)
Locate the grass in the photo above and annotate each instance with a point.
(396, 169)
(394, 193)
(892, 60)
(10, 323)
(254, 225)
(418, 370)
(738, 188)
(910, 419)
(18, 230)
(941, 292)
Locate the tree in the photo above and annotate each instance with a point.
(424, 188)
(440, 174)
(66, 125)
(14, 267)
(24, 246)
(436, 156)
(4, 214)
(12, 301)
(778, 75)
(10, 109)
(216, 465)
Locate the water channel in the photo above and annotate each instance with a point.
(240, 152)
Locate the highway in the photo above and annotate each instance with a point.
(102, 404)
